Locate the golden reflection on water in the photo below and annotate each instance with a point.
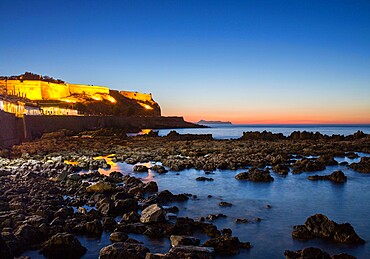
(113, 165)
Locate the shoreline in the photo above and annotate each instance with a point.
(36, 176)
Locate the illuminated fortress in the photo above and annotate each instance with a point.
(56, 97)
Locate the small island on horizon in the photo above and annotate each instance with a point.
(214, 122)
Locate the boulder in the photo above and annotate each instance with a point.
(121, 250)
(226, 244)
(5, 252)
(151, 187)
(94, 228)
(159, 169)
(184, 240)
(363, 166)
(255, 175)
(118, 237)
(281, 169)
(202, 178)
(192, 252)
(126, 205)
(153, 213)
(130, 217)
(100, 187)
(63, 245)
(140, 168)
(320, 226)
(312, 253)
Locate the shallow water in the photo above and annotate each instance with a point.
(220, 131)
(293, 198)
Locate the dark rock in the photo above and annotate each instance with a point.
(131, 217)
(159, 169)
(126, 205)
(94, 228)
(151, 187)
(62, 246)
(109, 223)
(165, 197)
(140, 168)
(226, 245)
(118, 237)
(5, 252)
(123, 250)
(184, 240)
(363, 166)
(256, 175)
(202, 178)
(153, 213)
(337, 177)
(190, 252)
(216, 216)
(115, 174)
(225, 204)
(281, 169)
(314, 253)
(320, 226)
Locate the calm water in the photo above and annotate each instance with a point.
(220, 131)
(293, 198)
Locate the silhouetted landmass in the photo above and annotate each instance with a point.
(213, 122)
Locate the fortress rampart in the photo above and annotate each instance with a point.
(137, 96)
(42, 90)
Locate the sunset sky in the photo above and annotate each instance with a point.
(277, 61)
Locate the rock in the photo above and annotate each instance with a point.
(165, 197)
(116, 174)
(100, 187)
(130, 217)
(126, 205)
(225, 204)
(307, 165)
(226, 244)
(159, 169)
(239, 220)
(120, 250)
(363, 166)
(191, 252)
(5, 252)
(94, 228)
(184, 240)
(320, 226)
(281, 169)
(109, 223)
(118, 237)
(215, 216)
(337, 177)
(140, 168)
(255, 175)
(202, 178)
(63, 245)
(312, 253)
(153, 213)
(151, 187)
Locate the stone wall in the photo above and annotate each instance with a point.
(11, 129)
(87, 89)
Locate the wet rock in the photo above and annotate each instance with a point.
(226, 244)
(363, 166)
(126, 205)
(159, 169)
(153, 213)
(151, 187)
(337, 177)
(165, 197)
(216, 216)
(320, 226)
(63, 245)
(307, 165)
(241, 220)
(225, 204)
(202, 178)
(131, 217)
(118, 237)
(109, 223)
(312, 253)
(192, 252)
(116, 174)
(184, 240)
(120, 250)
(100, 187)
(94, 228)
(281, 169)
(140, 168)
(255, 175)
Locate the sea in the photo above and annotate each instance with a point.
(234, 131)
(287, 201)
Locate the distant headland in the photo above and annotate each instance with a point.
(213, 122)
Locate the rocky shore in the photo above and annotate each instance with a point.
(45, 203)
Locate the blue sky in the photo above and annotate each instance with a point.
(244, 61)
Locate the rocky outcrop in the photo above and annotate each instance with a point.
(336, 177)
(184, 240)
(100, 187)
(307, 165)
(320, 226)
(5, 251)
(313, 252)
(178, 252)
(256, 175)
(123, 250)
(363, 166)
(63, 245)
(173, 135)
(153, 213)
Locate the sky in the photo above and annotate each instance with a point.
(255, 62)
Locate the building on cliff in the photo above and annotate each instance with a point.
(56, 97)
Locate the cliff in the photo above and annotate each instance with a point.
(87, 99)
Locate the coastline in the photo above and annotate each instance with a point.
(56, 179)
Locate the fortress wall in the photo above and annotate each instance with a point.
(137, 96)
(11, 130)
(26, 88)
(87, 89)
(53, 91)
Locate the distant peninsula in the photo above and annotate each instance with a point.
(214, 122)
